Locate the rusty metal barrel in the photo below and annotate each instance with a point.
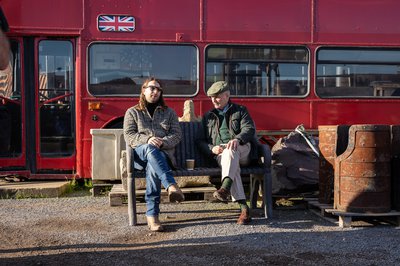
(332, 142)
(395, 145)
(327, 146)
(362, 172)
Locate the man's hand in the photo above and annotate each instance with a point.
(217, 149)
(233, 144)
(156, 141)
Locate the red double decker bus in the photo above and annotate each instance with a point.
(78, 65)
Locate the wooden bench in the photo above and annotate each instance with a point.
(186, 149)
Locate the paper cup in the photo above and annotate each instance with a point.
(190, 164)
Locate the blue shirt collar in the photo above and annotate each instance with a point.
(225, 109)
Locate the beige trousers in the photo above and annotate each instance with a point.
(230, 162)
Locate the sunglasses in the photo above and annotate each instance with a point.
(153, 88)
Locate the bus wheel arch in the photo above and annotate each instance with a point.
(115, 123)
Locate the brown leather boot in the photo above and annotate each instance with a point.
(154, 224)
(222, 195)
(175, 194)
(244, 217)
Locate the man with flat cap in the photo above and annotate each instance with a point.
(228, 134)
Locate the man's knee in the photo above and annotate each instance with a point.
(230, 155)
(150, 149)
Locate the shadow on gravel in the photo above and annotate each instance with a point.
(279, 248)
(204, 254)
(205, 236)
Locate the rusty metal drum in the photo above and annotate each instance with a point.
(362, 173)
(327, 146)
(332, 142)
(395, 146)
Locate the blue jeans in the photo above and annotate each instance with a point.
(158, 172)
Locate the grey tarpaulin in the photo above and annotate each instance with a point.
(295, 161)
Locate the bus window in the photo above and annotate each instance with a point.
(269, 71)
(357, 72)
(56, 87)
(10, 105)
(120, 69)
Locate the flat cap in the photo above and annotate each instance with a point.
(217, 88)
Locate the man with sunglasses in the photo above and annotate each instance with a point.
(153, 130)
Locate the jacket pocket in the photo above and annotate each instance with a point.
(165, 125)
(211, 127)
(235, 125)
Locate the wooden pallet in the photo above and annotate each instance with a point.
(345, 219)
(118, 195)
(319, 208)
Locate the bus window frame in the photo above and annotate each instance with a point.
(165, 95)
(17, 147)
(308, 63)
(352, 63)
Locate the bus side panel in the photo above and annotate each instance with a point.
(351, 112)
(279, 114)
(155, 20)
(45, 16)
(357, 21)
(272, 21)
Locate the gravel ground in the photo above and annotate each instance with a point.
(87, 231)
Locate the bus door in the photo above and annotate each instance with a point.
(12, 152)
(37, 125)
(54, 127)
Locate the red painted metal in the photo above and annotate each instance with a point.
(57, 18)
(310, 23)
(355, 22)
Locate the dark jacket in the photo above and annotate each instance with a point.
(241, 126)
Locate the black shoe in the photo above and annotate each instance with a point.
(222, 195)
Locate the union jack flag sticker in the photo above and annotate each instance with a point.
(116, 23)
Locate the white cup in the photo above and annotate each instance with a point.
(189, 164)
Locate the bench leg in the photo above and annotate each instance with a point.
(255, 183)
(266, 182)
(267, 195)
(131, 200)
